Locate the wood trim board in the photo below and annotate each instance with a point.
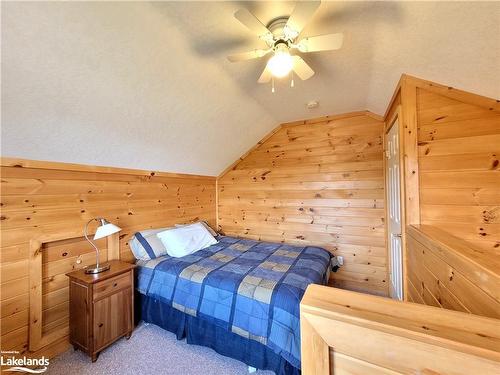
(370, 334)
(40, 164)
(410, 154)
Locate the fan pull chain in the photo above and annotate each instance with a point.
(292, 84)
(272, 85)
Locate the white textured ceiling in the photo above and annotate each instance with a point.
(147, 85)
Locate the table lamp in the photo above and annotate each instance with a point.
(105, 229)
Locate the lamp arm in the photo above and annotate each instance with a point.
(85, 233)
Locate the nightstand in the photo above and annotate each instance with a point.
(101, 307)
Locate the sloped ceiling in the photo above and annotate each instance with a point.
(147, 85)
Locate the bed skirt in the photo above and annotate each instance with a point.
(200, 332)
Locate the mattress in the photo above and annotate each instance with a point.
(250, 288)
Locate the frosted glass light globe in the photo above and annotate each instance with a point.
(281, 63)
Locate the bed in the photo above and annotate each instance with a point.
(239, 297)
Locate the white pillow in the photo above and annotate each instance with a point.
(145, 245)
(186, 240)
(205, 224)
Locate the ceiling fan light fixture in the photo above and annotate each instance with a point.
(281, 63)
(282, 36)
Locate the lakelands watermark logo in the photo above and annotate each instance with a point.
(11, 362)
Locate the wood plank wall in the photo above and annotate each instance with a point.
(456, 135)
(446, 271)
(458, 156)
(39, 199)
(459, 153)
(317, 182)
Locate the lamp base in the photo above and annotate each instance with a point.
(93, 269)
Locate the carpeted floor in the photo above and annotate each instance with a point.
(151, 350)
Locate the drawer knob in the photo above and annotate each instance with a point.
(100, 325)
(115, 285)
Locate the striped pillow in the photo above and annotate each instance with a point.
(145, 245)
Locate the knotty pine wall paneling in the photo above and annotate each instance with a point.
(459, 153)
(317, 182)
(42, 198)
(448, 272)
(457, 140)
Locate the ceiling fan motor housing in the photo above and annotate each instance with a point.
(277, 27)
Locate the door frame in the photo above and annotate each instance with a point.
(397, 116)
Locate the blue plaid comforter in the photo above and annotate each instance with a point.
(250, 288)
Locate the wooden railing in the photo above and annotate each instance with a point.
(345, 332)
(448, 272)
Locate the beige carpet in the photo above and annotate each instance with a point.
(151, 350)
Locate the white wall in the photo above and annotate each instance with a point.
(115, 84)
(147, 85)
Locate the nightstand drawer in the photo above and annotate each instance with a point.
(108, 287)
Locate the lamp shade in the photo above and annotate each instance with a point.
(106, 229)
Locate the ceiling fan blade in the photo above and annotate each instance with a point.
(255, 54)
(301, 68)
(252, 23)
(265, 76)
(326, 42)
(302, 12)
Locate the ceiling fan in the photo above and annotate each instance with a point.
(281, 36)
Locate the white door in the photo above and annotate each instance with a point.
(393, 189)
